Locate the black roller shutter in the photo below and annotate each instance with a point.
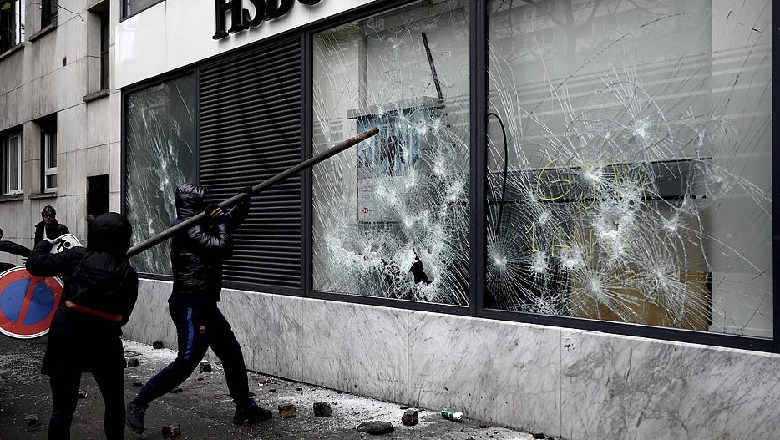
(250, 130)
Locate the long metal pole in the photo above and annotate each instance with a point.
(332, 151)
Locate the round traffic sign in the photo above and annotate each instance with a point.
(27, 303)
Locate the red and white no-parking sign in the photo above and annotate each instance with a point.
(27, 303)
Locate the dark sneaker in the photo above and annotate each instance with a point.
(134, 416)
(250, 413)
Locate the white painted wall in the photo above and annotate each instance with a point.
(176, 33)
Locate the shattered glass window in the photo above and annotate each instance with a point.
(390, 215)
(160, 154)
(630, 162)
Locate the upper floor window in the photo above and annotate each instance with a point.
(48, 12)
(99, 41)
(105, 33)
(11, 23)
(11, 159)
(132, 7)
(49, 154)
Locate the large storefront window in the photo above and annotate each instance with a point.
(630, 162)
(160, 154)
(390, 216)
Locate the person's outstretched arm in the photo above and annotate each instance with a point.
(14, 248)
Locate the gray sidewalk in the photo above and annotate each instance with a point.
(202, 408)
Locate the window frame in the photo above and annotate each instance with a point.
(49, 9)
(19, 31)
(105, 47)
(478, 28)
(48, 161)
(99, 47)
(7, 164)
(126, 8)
(478, 107)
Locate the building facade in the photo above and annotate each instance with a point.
(58, 114)
(565, 223)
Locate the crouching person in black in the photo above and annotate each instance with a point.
(100, 290)
(196, 264)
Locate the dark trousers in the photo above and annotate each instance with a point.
(197, 329)
(65, 395)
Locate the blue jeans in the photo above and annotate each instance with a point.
(197, 329)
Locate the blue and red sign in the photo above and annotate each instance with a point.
(27, 303)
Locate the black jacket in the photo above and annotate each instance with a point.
(96, 278)
(52, 232)
(197, 252)
(13, 248)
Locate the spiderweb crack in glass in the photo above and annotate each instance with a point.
(641, 134)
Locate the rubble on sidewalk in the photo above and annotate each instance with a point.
(31, 420)
(205, 409)
(322, 409)
(410, 417)
(376, 427)
(287, 410)
(171, 431)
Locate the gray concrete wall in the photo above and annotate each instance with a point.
(53, 72)
(564, 382)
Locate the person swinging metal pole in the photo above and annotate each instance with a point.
(332, 151)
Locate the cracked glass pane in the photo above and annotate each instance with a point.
(390, 216)
(630, 161)
(159, 155)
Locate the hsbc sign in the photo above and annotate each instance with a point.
(242, 18)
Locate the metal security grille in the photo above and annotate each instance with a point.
(250, 130)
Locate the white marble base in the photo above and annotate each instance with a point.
(563, 382)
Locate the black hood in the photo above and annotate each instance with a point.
(109, 232)
(190, 200)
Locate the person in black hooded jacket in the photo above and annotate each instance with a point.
(196, 260)
(100, 289)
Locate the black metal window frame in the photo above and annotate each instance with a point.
(478, 79)
(126, 92)
(478, 65)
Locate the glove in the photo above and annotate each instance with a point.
(213, 210)
(246, 190)
(216, 214)
(239, 212)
